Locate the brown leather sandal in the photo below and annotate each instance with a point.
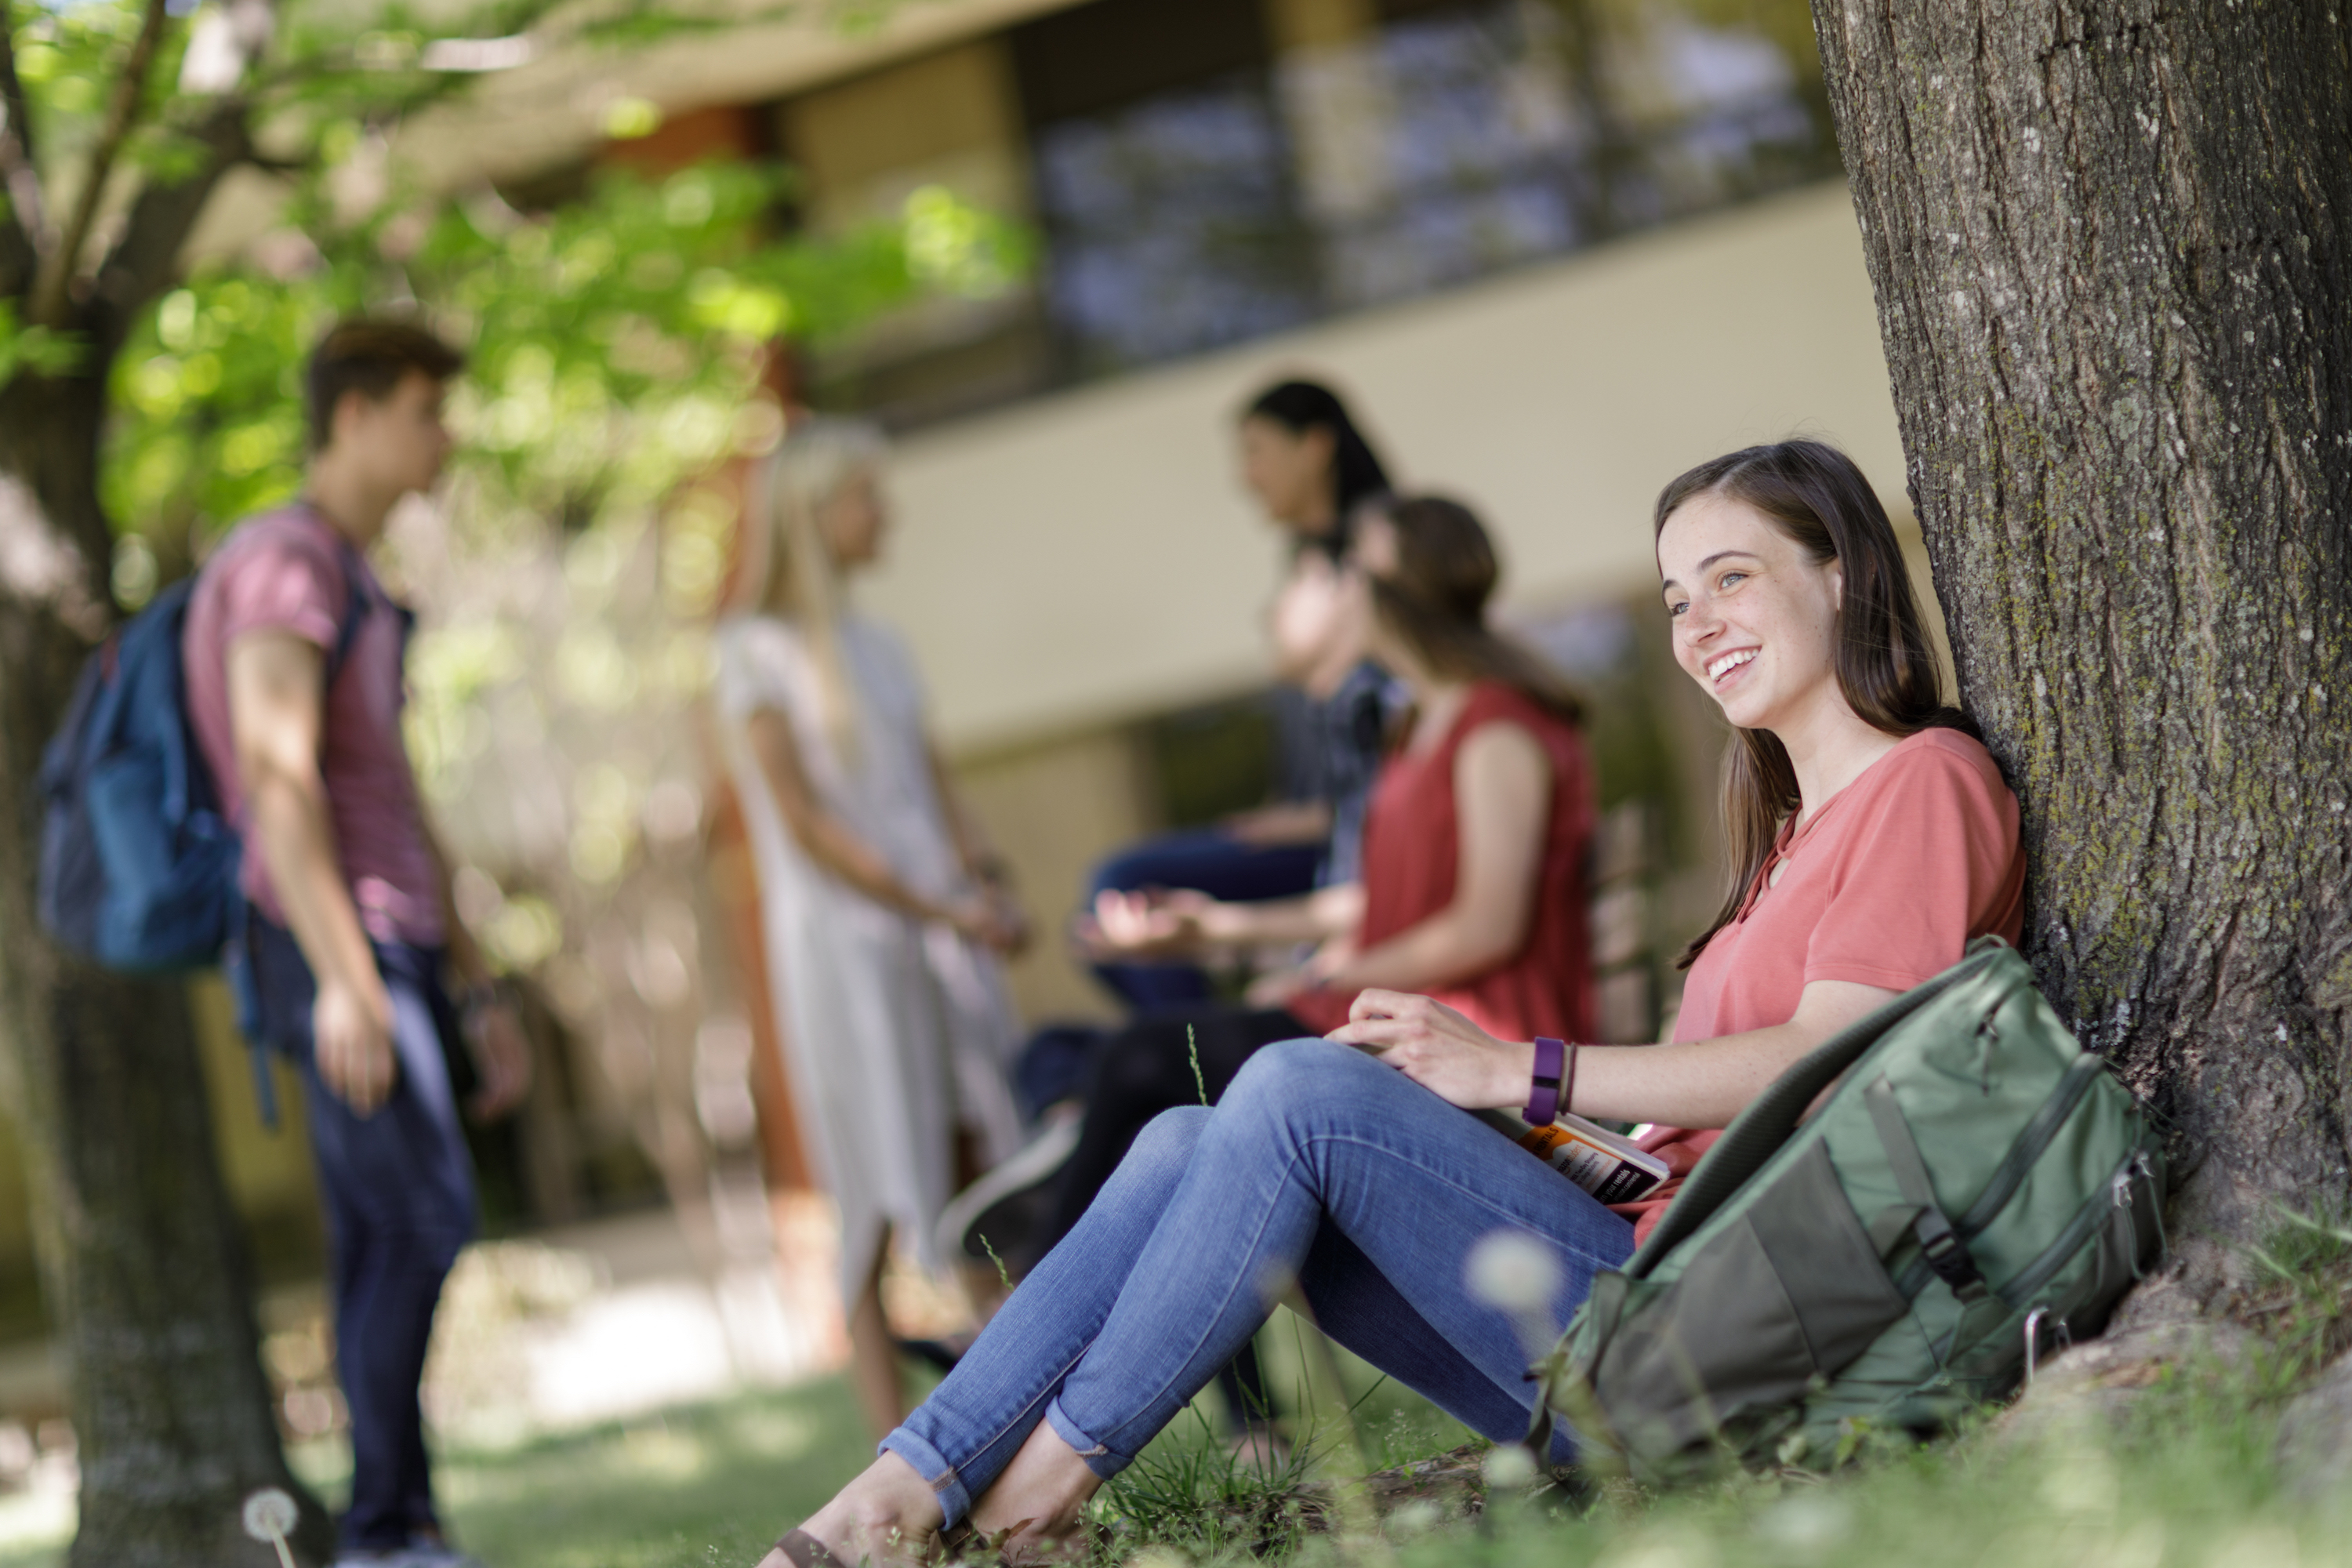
(807, 1552)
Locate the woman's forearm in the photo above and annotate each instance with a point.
(465, 955)
(1321, 915)
(823, 836)
(1701, 1083)
(1706, 1083)
(833, 844)
(977, 856)
(1450, 947)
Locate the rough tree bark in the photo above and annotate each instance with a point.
(141, 1259)
(2112, 248)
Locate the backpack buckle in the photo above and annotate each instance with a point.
(1948, 1255)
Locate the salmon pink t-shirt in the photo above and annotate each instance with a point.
(289, 571)
(1885, 885)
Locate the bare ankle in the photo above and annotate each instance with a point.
(888, 1514)
(1037, 1507)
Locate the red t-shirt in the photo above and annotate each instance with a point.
(1411, 856)
(1885, 886)
(283, 571)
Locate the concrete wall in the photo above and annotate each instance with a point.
(1090, 556)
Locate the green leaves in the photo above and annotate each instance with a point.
(611, 339)
(37, 349)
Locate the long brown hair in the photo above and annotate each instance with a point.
(1435, 601)
(1886, 667)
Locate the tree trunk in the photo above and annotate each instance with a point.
(142, 1261)
(2112, 248)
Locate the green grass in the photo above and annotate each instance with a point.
(705, 1485)
(710, 1484)
(2302, 1303)
(2188, 1479)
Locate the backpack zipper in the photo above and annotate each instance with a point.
(2029, 1145)
(2086, 1220)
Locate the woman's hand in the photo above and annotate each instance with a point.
(1152, 925)
(1013, 931)
(501, 1059)
(992, 921)
(350, 1035)
(1440, 1049)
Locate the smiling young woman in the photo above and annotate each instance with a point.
(1876, 839)
(1797, 512)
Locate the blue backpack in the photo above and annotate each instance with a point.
(138, 868)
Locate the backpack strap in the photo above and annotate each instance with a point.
(1918, 1212)
(357, 602)
(1756, 1133)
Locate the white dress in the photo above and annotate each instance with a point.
(895, 1030)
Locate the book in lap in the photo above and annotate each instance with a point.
(1611, 1168)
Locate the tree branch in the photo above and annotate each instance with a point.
(19, 244)
(52, 283)
(146, 261)
(12, 91)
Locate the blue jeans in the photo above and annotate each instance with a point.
(398, 1189)
(1208, 860)
(1319, 1166)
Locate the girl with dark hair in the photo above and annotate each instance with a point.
(1309, 467)
(1307, 464)
(1346, 1164)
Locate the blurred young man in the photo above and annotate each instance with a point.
(294, 655)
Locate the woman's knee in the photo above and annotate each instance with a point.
(1293, 1072)
(1163, 1149)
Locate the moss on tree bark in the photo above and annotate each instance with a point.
(2112, 250)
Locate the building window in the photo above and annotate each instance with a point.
(1163, 181)
(1210, 172)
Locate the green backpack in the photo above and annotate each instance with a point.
(1974, 1188)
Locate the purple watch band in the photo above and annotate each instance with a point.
(1543, 1103)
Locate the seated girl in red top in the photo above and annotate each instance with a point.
(1872, 838)
(1474, 850)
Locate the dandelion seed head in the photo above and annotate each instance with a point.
(1509, 1467)
(1512, 1271)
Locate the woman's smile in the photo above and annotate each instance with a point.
(1723, 669)
(1738, 588)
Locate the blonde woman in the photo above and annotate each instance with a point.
(883, 908)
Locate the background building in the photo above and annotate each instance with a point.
(1554, 250)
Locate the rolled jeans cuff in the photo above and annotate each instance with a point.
(933, 1466)
(1097, 1455)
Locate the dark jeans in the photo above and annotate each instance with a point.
(1208, 860)
(398, 1188)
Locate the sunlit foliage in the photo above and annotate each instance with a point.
(611, 339)
(568, 567)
